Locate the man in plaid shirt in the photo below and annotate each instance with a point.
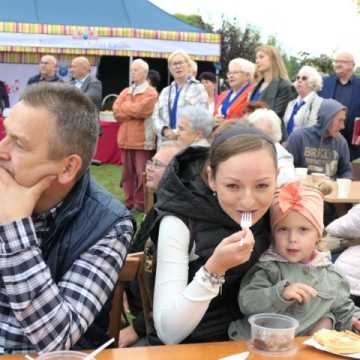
(63, 239)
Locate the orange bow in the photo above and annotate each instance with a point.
(301, 198)
(289, 197)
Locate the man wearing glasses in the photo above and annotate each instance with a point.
(155, 169)
(344, 87)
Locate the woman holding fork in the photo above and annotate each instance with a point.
(202, 250)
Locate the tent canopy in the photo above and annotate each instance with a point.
(95, 28)
(138, 14)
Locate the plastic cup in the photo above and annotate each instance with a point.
(301, 173)
(343, 186)
(62, 355)
(273, 334)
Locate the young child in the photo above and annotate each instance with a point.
(293, 277)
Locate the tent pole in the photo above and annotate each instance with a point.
(130, 62)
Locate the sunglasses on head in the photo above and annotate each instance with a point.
(303, 78)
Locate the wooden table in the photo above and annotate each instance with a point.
(207, 351)
(353, 198)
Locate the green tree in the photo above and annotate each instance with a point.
(323, 62)
(195, 20)
(236, 42)
(291, 62)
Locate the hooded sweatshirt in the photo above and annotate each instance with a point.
(314, 149)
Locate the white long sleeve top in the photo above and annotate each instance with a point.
(178, 306)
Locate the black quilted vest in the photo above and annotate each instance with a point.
(86, 215)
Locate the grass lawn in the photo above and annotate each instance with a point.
(109, 177)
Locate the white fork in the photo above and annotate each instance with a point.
(245, 222)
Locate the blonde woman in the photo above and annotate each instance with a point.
(184, 90)
(273, 85)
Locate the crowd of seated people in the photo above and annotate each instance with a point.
(211, 160)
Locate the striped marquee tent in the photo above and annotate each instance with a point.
(65, 28)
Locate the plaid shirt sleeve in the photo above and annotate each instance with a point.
(54, 316)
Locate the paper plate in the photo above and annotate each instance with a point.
(312, 342)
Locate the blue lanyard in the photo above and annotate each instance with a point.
(173, 111)
(227, 102)
(291, 122)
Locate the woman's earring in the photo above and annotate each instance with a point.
(214, 194)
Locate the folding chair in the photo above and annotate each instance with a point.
(131, 270)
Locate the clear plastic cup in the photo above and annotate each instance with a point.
(344, 186)
(273, 334)
(62, 355)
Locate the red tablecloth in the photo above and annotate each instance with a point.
(107, 150)
(2, 129)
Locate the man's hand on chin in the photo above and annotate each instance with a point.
(16, 201)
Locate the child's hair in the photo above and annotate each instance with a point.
(325, 187)
(305, 197)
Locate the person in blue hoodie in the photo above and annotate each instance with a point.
(321, 148)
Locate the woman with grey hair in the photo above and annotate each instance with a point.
(303, 111)
(231, 103)
(195, 125)
(267, 121)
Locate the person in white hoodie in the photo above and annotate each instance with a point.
(267, 121)
(348, 227)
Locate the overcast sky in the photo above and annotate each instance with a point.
(314, 26)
